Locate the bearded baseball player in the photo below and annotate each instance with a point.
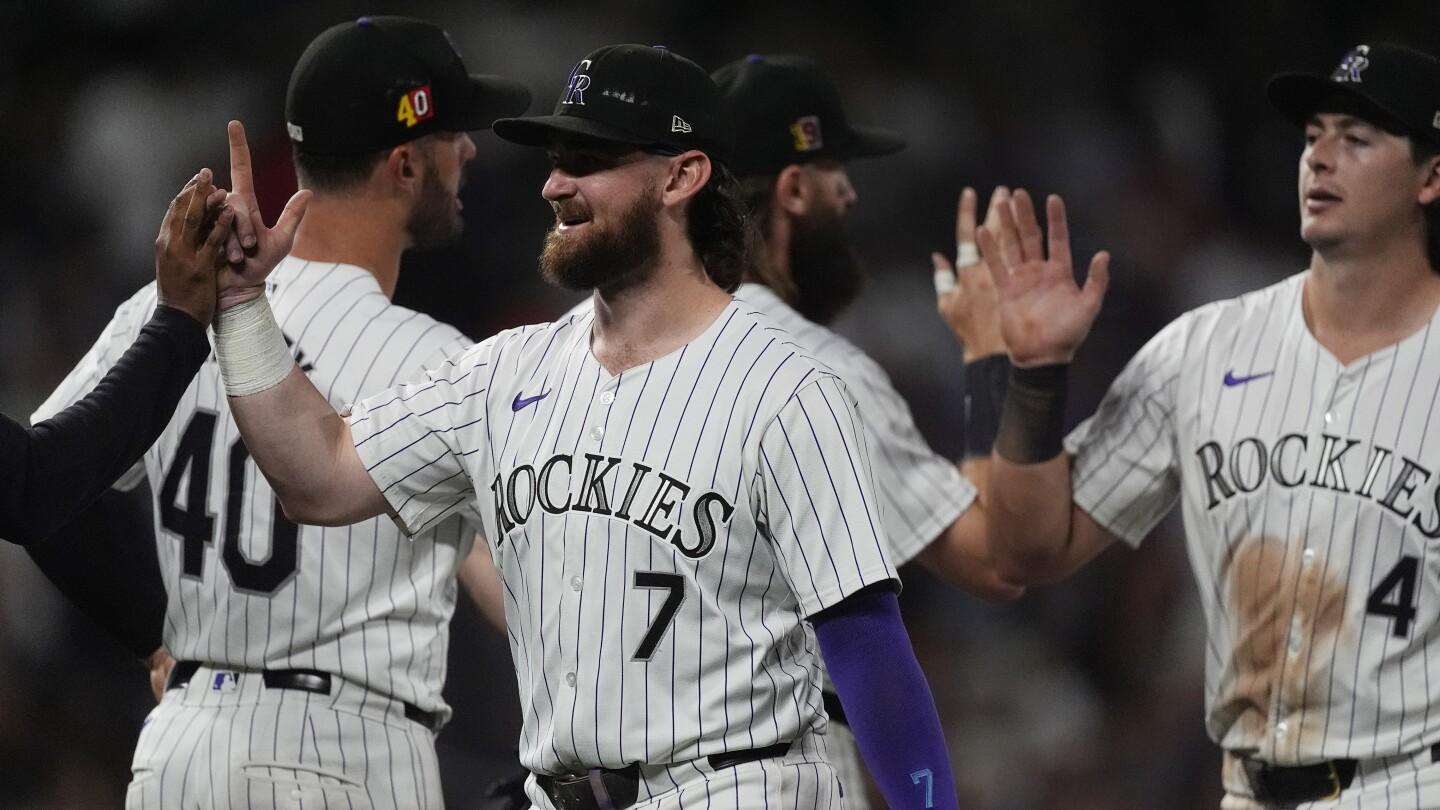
(792, 142)
(311, 660)
(679, 499)
(1292, 424)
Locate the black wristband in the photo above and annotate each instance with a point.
(1032, 423)
(985, 382)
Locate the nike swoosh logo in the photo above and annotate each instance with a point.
(1232, 380)
(520, 403)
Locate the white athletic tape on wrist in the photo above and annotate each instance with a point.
(251, 348)
(966, 254)
(944, 281)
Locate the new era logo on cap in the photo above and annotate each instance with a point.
(678, 124)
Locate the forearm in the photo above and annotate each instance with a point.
(1030, 497)
(1029, 518)
(302, 446)
(66, 461)
(105, 562)
(482, 584)
(292, 432)
(887, 700)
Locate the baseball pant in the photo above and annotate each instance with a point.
(1402, 782)
(849, 766)
(802, 779)
(225, 740)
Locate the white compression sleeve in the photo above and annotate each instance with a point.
(251, 349)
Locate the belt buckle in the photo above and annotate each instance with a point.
(1335, 788)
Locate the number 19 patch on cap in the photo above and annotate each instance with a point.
(415, 106)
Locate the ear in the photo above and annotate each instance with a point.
(1430, 188)
(689, 172)
(404, 167)
(792, 190)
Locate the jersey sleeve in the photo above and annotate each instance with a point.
(414, 437)
(118, 335)
(816, 492)
(1125, 472)
(923, 491)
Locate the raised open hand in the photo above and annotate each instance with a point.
(965, 293)
(254, 250)
(1044, 315)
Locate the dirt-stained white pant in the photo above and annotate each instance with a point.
(224, 740)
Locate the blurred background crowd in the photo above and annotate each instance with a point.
(1149, 117)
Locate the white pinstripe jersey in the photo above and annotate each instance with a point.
(921, 491)
(661, 533)
(247, 588)
(1312, 516)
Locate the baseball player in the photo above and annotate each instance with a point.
(1293, 425)
(792, 141)
(311, 660)
(670, 487)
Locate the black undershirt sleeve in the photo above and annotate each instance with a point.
(49, 472)
(105, 562)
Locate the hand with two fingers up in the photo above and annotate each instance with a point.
(253, 250)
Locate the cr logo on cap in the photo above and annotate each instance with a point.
(576, 83)
(415, 107)
(1352, 65)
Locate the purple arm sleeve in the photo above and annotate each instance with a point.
(887, 700)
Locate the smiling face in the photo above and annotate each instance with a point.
(607, 205)
(435, 217)
(1359, 185)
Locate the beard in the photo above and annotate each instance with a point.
(607, 259)
(434, 221)
(824, 267)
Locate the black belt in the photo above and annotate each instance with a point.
(618, 788)
(1287, 785)
(304, 680)
(833, 708)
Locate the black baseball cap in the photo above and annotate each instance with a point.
(786, 110)
(378, 82)
(1393, 87)
(643, 95)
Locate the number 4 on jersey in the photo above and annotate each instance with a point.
(195, 524)
(1395, 596)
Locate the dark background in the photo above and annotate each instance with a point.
(1149, 117)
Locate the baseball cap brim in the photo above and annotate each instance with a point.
(541, 130)
(872, 142)
(1298, 96)
(492, 97)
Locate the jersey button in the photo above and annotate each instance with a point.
(575, 583)
(570, 679)
(1308, 556)
(597, 433)
(607, 397)
(1329, 417)
(1281, 728)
